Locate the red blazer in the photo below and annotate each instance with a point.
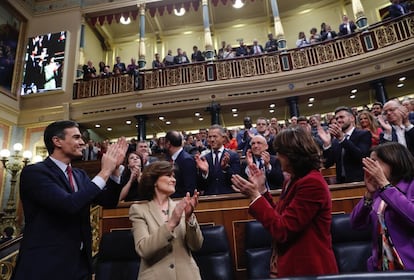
(300, 226)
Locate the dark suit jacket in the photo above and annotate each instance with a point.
(344, 31)
(409, 139)
(395, 10)
(300, 226)
(356, 148)
(185, 174)
(274, 177)
(57, 221)
(325, 35)
(219, 182)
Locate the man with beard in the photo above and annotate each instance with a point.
(345, 146)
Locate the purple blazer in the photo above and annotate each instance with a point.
(399, 218)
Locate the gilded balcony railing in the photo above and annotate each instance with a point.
(377, 36)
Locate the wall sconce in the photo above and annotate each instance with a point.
(13, 164)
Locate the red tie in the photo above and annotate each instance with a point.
(70, 177)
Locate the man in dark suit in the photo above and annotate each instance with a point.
(259, 156)
(347, 26)
(345, 146)
(120, 65)
(396, 9)
(217, 166)
(396, 125)
(57, 240)
(185, 166)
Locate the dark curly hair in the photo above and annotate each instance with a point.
(301, 150)
(151, 174)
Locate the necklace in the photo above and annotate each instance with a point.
(165, 212)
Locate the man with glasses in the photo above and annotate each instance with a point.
(396, 125)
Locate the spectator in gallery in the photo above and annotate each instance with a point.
(181, 58)
(228, 52)
(220, 54)
(196, 55)
(132, 67)
(168, 59)
(302, 41)
(271, 44)
(256, 49)
(242, 50)
(120, 65)
(157, 63)
(347, 26)
(328, 34)
(89, 70)
(314, 37)
(397, 9)
(101, 67)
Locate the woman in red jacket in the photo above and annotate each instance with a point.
(300, 222)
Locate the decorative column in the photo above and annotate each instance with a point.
(141, 59)
(141, 129)
(81, 49)
(359, 15)
(380, 93)
(214, 110)
(279, 33)
(209, 54)
(293, 106)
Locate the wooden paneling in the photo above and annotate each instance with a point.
(231, 210)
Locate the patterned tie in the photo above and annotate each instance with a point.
(70, 177)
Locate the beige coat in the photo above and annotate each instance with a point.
(164, 254)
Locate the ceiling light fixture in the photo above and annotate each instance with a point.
(402, 79)
(352, 96)
(128, 122)
(272, 105)
(310, 104)
(234, 110)
(200, 118)
(354, 91)
(161, 118)
(109, 128)
(311, 99)
(97, 125)
(238, 4)
(400, 85)
(180, 12)
(197, 114)
(124, 20)
(167, 122)
(235, 115)
(271, 111)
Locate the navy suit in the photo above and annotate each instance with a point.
(409, 138)
(57, 221)
(397, 10)
(343, 30)
(355, 148)
(219, 182)
(185, 174)
(274, 177)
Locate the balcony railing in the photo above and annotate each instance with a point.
(375, 37)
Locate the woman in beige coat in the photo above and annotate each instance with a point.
(165, 231)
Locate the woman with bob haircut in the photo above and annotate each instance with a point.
(165, 231)
(300, 222)
(388, 207)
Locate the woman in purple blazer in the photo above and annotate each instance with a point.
(388, 207)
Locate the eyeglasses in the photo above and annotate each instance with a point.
(261, 124)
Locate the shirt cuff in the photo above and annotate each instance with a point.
(99, 181)
(387, 136)
(254, 200)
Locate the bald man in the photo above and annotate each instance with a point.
(259, 155)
